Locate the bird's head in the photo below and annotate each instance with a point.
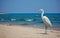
(41, 10)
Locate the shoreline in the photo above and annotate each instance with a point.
(40, 26)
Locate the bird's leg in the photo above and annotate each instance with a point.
(45, 29)
(51, 28)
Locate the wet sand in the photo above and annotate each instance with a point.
(19, 31)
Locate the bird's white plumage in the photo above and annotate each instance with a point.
(46, 21)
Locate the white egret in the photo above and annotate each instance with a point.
(45, 20)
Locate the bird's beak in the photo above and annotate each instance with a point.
(40, 10)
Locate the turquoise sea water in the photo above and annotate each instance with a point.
(29, 18)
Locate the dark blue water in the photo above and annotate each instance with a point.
(29, 18)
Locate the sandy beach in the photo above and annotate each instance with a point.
(16, 31)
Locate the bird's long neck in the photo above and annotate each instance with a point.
(42, 13)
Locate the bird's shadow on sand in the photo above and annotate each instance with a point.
(42, 33)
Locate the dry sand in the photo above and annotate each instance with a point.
(15, 31)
